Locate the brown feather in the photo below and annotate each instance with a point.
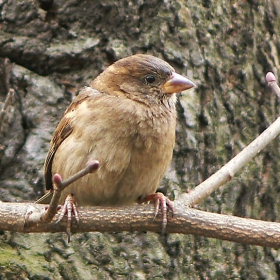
(63, 130)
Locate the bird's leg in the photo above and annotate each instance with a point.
(70, 209)
(162, 202)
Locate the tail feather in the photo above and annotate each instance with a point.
(46, 198)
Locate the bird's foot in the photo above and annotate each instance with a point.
(69, 209)
(160, 202)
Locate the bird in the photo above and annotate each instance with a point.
(125, 119)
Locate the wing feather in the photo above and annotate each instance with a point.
(63, 130)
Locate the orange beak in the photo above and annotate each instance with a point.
(177, 83)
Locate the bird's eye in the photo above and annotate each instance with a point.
(150, 79)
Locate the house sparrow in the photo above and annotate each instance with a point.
(126, 120)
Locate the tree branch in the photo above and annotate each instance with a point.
(141, 218)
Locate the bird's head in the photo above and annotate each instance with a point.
(144, 78)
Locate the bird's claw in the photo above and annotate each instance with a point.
(70, 209)
(163, 203)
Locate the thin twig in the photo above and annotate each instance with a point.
(226, 173)
(7, 71)
(6, 104)
(90, 168)
(58, 187)
(271, 80)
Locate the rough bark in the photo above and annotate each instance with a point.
(50, 49)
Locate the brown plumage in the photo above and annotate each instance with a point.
(126, 120)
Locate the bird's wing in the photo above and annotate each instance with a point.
(63, 130)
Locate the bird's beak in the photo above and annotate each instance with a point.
(177, 83)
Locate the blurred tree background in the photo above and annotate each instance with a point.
(49, 49)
